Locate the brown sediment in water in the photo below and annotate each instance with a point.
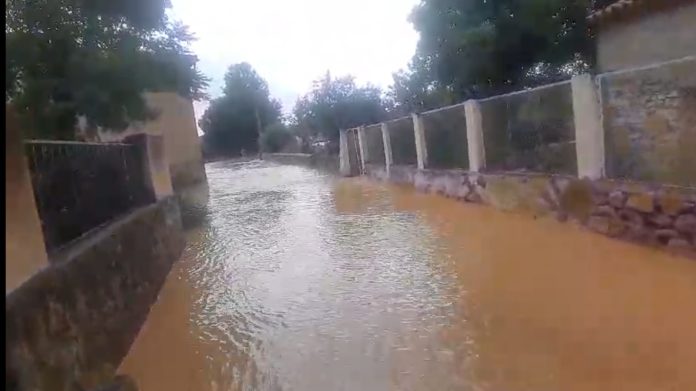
(299, 281)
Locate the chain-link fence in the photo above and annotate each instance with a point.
(353, 151)
(375, 144)
(530, 131)
(403, 141)
(445, 137)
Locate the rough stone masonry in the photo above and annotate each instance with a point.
(658, 216)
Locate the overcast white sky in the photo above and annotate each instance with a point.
(292, 42)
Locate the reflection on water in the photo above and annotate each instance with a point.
(300, 281)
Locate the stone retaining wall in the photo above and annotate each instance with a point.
(69, 326)
(654, 215)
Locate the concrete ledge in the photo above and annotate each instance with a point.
(69, 326)
(660, 216)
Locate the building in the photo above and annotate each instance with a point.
(636, 33)
(176, 122)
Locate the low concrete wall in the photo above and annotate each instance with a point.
(328, 163)
(288, 158)
(69, 326)
(658, 216)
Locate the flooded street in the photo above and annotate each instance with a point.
(297, 280)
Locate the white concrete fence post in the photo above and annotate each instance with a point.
(343, 153)
(362, 144)
(589, 132)
(474, 135)
(421, 146)
(386, 142)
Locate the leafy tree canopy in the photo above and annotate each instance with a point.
(275, 137)
(93, 58)
(235, 120)
(335, 104)
(474, 48)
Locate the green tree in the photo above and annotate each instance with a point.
(234, 121)
(275, 137)
(474, 48)
(335, 104)
(413, 90)
(92, 58)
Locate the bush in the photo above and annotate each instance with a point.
(275, 137)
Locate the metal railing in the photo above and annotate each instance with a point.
(79, 186)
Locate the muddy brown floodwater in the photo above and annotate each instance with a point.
(297, 280)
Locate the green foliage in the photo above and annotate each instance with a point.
(475, 48)
(234, 121)
(335, 104)
(94, 58)
(275, 137)
(414, 90)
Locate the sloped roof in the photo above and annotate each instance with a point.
(622, 9)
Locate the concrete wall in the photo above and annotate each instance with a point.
(25, 253)
(649, 120)
(654, 38)
(177, 123)
(329, 163)
(69, 326)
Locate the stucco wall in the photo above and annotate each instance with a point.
(177, 123)
(649, 117)
(25, 253)
(654, 38)
(72, 323)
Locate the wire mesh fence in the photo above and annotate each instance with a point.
(353, 152)
(445, 135)
(403, 141)
(530, 130)
(79, 186)
(375, 144)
